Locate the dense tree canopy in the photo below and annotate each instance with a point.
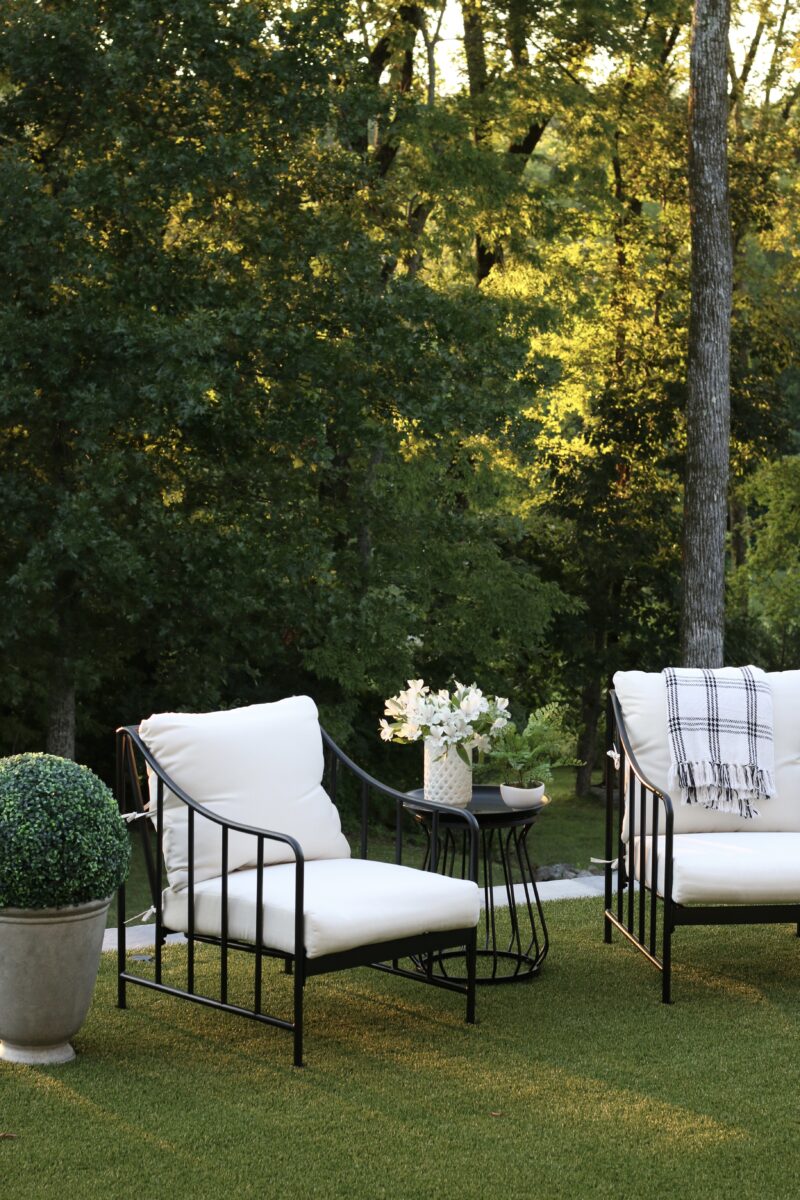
(346, 341)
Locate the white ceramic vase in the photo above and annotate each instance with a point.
(448, 779)
(515, 797)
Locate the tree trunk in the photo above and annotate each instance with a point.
(61, 716)
(61, 699)
(708, 400)
(591, 708)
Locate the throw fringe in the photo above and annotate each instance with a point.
(724, 787)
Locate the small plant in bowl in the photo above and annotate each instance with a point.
(522, 761)
(64, 849)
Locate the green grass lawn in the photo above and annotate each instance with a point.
(569, 830)
(577, 1084)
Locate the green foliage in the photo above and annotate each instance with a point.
(764, 601)
(62, 840)
(527, 756)
(324, 369)
(239, 452)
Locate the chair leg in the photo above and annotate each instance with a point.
(472, 967)
(298, 1013)
(121, 964)
(666, 959)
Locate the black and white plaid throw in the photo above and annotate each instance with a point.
(720, 737)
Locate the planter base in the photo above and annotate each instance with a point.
(41, 1056)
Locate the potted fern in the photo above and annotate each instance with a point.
(522, 761)
(64, 849)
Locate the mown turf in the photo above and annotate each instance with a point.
(577, 1084)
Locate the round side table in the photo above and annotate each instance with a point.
(503, 852)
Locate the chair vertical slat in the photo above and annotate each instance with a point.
(159, 879)
(144, 826)
(608, 870)
(642, 857)
(450, 851)
(472, 963)
(190, 934)
(299, 960)
(223, 962)
(631, 844)
(121, 796)
(487, 907)
(666, 920)
(435, 841)
(398, 832)
(488, 887)
(623, 766)
(364, 816)
(259, 923)
(654, 878)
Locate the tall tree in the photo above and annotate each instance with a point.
(708, 401)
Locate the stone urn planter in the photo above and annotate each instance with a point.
(49, 959)
(63, 850)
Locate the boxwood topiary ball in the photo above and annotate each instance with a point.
(62, 840)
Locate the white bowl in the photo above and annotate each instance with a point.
(515, 797)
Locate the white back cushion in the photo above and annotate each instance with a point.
(643, 699)
(260, 766)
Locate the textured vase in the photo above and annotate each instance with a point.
(448, 779)
(48, 966)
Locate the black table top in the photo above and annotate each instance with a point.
(486, 805)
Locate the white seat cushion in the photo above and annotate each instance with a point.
(260, 766)
(728, 868)
(348, 903)
(643, 698)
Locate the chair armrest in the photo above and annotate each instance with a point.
(459, 814)
(658, 795)
(132, 733)
(664, 797)
(393, 793)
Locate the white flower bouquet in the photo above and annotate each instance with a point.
(463, 718)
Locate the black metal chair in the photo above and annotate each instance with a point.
(646, 842)
(422, 946)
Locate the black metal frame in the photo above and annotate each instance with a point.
(637, 916)
(383, 956)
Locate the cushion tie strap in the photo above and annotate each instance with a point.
(142, 916)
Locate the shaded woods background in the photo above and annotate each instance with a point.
(345, 342)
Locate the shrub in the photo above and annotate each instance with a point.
(62, 840)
